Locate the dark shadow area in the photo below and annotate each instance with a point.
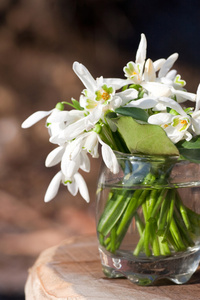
(12, 297)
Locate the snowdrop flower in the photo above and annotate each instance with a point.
(176, 126)
(134, 70)
(144, 73)
(59, 121)
(101, 92)
(74, 156)
(76, 184)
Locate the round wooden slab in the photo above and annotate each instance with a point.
(72, 271)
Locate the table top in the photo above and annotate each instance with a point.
(72, 271)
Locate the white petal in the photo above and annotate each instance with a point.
(149, 71)
(117, 83)
(127, 95)
(168, 102)
(183, 96)
(109, 157)
(196, 126)
(160, 118)
(174, 135)
(71, 159)
(116, 102)
(141, 52)
(85, 76)
(91, 144)
(84, 162)
(188, 136)
(143, 103)
(34, 118)
(157, 89)
(82, 187)
(74, 130)
(54, 157)
(73, 187)
(158, 64)
(197, 99)
(167, 65)
(70, 167)
(57, 116)
(55, 128)
(53, 187)
(171, 74)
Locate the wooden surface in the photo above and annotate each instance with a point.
(72, 271)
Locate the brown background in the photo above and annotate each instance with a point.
(39, 41)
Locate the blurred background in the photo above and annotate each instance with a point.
(39, 41)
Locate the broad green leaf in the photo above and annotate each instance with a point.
(134, 112)
(145, 138)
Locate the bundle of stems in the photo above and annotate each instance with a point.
(165, 225)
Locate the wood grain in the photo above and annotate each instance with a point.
(72, 271)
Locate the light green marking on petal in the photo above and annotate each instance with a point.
(91, 104)
(98, 95)
(179, 81)
(109, 90)
(175, 122)
(68, 181)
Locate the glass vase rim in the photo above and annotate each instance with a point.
(141, 156)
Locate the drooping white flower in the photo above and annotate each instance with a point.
(59, 121)
(77, 183)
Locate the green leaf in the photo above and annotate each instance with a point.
(134, 112)
(190, 150)
(194, 143)
(76, 104)
(144, 138)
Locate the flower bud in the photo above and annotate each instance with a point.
(97, 128)
(60, 106)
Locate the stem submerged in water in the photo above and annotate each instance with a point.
(164, 224)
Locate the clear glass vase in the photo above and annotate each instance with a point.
(148, 219)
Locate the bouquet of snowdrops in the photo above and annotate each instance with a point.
(143, 113)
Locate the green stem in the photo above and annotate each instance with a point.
(147, 235)
(140, 225)
(163, 215)
(183, 212)
(177, 236)
(171, 199)
(112, 212)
